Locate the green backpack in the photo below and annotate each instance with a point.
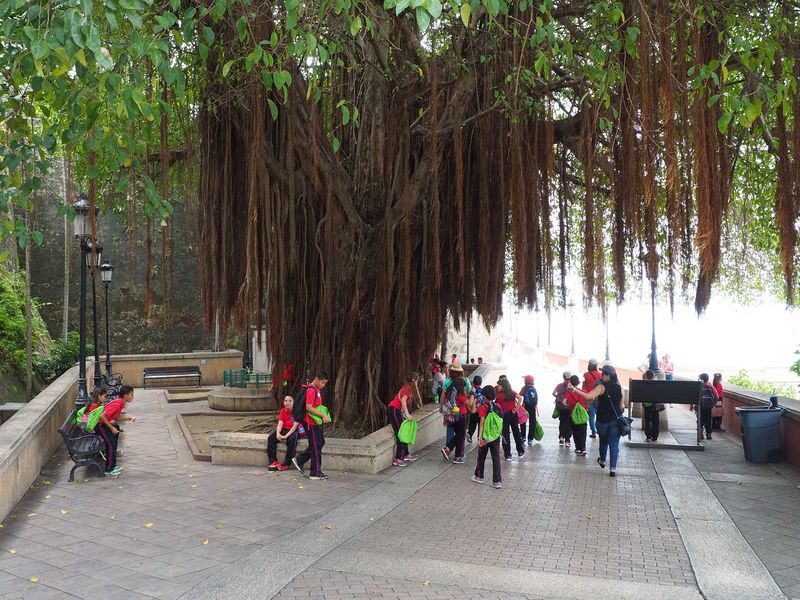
(538, 432)
(492, 427)
(407, 433)
(324, 410)
(91, 421)
(579, 415)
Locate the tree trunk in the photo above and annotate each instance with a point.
(28, 317)
(67, 165)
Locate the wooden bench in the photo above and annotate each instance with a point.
(85, 449)
(173, 375)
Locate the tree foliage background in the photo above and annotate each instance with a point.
(364, 168)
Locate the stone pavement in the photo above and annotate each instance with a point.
(169, 527)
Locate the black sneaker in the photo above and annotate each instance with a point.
(319, 477)
(593, 436)
(297, 466)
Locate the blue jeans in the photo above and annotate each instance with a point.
(609, 437)
(668, 377)
(593, 417)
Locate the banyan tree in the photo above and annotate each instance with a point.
(371, 167)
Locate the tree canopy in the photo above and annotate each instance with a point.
(368, 167)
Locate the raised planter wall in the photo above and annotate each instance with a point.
(735, 397)
(30, 437)
(370, 454)
(212, 365)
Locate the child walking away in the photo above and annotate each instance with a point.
(507, 398)
(108, 428)
(564, 423)
(457, 417)
(477, 397)
(287, 431)
(590, 379)
(578, 428)
(530, 400)
(307, 402)
(396, 412)
(492, 444)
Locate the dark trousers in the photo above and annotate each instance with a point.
(651, 422)
(316, 440)
(511, 426)
(564, 424)
(523, 429)
(494, 448)
(705, 419)
(272, 448)
(579, 433)
(474, 421)
(457, 441)
(111, 441)
(531, 424)
(395, 417)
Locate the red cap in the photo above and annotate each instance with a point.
(528, 379)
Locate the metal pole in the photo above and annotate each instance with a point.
(572, 322)
(608, 356)
(98, 376)
(653, 353)
(469, 318)
(109, 376)
(83, 396)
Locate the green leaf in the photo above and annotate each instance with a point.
(226, 68)
(273, 109)
(493, 6)
(38, 237)
(423, 18)
(466, 14)
(345, 114)
(723, 121)
(434, 8)
(401, 6)
(336, 144)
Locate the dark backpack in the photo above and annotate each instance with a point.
(446, 407)
(708, 397)
(299, 407)
(494, 407)
(531, 399)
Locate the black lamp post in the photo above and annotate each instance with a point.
(608, 356)
(538, 339)
(80, 228)
(571, 307)
(651, 269)
(98, 376)
(106, 272)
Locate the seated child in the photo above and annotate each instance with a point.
(96, 401)
(288, 430)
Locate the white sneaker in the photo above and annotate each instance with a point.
(477, 479)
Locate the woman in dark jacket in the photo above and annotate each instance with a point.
(608, 399)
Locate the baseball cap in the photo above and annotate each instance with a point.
(566, 375)
(528, 379)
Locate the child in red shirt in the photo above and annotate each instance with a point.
(108, 429)
(316, 439)
(288, 430)
(485, 447)
(578, 431)
(397, 411)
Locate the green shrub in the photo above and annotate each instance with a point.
(12, 324)
(742, 379)
(62, 356)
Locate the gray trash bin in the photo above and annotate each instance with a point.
(761, 433)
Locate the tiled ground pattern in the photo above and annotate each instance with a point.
(144, 534)
(323, 585)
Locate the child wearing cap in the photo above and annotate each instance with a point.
(485, 447)
(564, 421)
(530, 400)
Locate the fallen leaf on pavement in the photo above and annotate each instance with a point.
(31, 514)
(47, 497)
(148, 525)
(34, 579)
(219, 525)
(64, 512)
(328, 526)
(12, 551)
(205, 542)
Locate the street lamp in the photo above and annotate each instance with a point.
(538, 341)
(98, 251)
(571, 307)
(651, 270)
(106, 272)
(80, 228)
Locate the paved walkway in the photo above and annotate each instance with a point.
(671, 525)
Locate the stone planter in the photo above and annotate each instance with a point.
(242, 399)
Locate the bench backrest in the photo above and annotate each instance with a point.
(665, 392)
(193, 369)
